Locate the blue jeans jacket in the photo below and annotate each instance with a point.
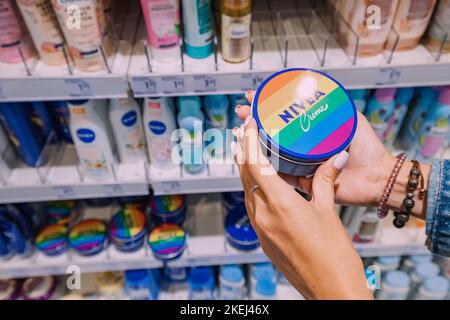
(438, 208)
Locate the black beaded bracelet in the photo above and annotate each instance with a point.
(415, 177)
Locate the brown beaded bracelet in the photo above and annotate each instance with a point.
(415, 177)
(382, 209)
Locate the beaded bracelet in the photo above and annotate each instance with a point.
(382, 209)
(415, 177)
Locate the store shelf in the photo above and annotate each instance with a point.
(282, 40)
(32, 80)
(214, 178)
(62, 179)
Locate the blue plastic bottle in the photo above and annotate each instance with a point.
(233, 119)
(137, 284)
(62, 117)
(191, 118)
(216, 109)
(380, 109)
(435, 131)
(414, 120)
(201, 284)
(41, 118)
(21, 132)
(198, 28)
(402, 100)
(359, 98)
(232, 282)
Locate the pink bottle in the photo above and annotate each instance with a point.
(13, 34)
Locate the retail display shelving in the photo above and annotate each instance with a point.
(32, 80)
(61, 178)
(207, 245)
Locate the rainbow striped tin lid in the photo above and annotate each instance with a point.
(304, 115)
(127, 224)
(52, 239)
(87, 235)
(167, 241)
(166, 203)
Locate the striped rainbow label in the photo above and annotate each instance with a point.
(87, 234)
(167, 203)
(127, 223)
(51, 237)
(306, 113)
(167, 239)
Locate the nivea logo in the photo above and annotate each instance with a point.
(129, 119)
(157, 127)
(86, 135)
(296, 109)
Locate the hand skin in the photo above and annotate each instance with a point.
(304, 239)
(362, 181)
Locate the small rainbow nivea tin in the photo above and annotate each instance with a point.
(304, 117)
(167, 241)
(166, 204)
(61, 212)
(52, 240)
(88, 237)
(127, 229)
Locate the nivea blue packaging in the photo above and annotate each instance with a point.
(415, 118)
(62, 115)
(41, 118)
(402, 101)
(234, 200)
(21, 132)
(239, 232)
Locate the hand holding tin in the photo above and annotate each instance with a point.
(297, 234)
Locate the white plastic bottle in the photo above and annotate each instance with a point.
(91, 140)
(126, 122)
(434, 288)
(394, 286)
(159, 123)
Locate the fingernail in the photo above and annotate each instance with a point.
(237, 108)
(233, 148)
(341, 160)
(247, 93)
(247, 120)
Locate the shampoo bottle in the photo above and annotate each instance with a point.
(91, 140)
(21, 132)
(380, 109)
(162, 18)
(216, 109)
(159, 124)
(359, 98)
(402, 100)
(198, 28)
(126, 122)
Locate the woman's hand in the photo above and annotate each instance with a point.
(363, 179)
(305, 240)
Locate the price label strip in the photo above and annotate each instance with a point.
(144, 86)
(387, 76)
(78, 88)
(2, 94)
(113, 189)
(251, 81)
(171, 186)
(172, 84)
(64, 192)
(205, 83)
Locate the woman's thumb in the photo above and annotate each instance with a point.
(325, 176)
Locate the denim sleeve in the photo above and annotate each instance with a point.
(438, 208)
